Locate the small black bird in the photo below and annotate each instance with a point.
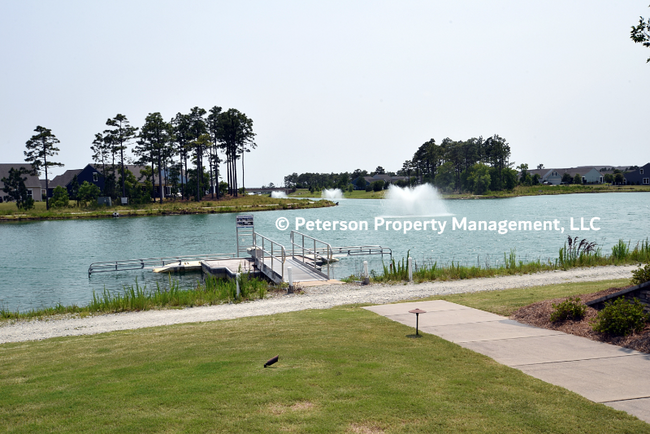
(271, 361)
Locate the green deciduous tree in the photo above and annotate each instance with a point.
(88, 193)
(641, 33)
(445, 177)
(377, 185)
(577, 179)
(14, 187)
(40, 147)
(524, 176)
(60, 197)
(478, 180)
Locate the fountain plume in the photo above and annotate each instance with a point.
(420, 201)
(332, 194)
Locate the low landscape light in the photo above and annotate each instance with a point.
(417, 313)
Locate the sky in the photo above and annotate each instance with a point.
(338, 85)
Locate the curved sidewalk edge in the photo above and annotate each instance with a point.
(600, 372)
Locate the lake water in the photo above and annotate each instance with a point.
(44, 263)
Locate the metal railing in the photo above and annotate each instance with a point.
(275, 250)
(317, 251)
(363, 250)
(142, 263)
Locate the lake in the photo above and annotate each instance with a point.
(46, 262)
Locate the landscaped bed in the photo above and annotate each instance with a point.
(538, 314)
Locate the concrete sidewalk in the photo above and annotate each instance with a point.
(600, 372)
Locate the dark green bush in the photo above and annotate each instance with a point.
(641, 275)
(621, 318)
(571, 308)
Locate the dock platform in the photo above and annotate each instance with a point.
(229, 267)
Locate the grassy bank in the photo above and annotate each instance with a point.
(138, 298)
(340, 370)
(9, 212)
(506, 302)
(574, 254)
(520, 190)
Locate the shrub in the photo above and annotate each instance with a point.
(377, 185)
(60, 198)
(571, 308)
(621, 318)
(641, 275)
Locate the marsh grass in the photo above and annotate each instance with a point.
(340, 370)
(137, 298)
(211, 291)
(574, 253)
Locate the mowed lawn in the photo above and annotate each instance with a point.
(340, 370)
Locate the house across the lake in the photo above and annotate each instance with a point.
(589, 175)
(93, 174)
(640, 176)
(32, 182)
(90, 173)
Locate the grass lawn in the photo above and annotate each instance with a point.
(341, 370)
(248, 203)
(507, 301)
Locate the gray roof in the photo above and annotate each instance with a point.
(582, 170)
(31, 182)
(64, 179)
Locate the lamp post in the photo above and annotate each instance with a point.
(417, 313)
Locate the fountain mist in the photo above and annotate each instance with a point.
(420, 201)
(334, 193)
(279, 195)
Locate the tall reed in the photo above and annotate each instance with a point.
(574, 253)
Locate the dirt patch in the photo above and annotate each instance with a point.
(538, 315)
(365, 429)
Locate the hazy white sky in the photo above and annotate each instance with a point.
(338, 85)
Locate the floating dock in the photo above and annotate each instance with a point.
(229, 267)
(179, 267)
(307, 259)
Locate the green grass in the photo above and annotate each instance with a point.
(137, 298)
(355, 194)
(340, 370)
(9, 212)
(506, 302)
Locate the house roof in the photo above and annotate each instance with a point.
(32, 181)
(636, 171)
(64, 179)
(582, 170)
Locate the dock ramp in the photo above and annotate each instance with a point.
(303, 264)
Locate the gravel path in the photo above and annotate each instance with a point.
(315, 297)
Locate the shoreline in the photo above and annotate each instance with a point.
(313, 297)
(159, 212)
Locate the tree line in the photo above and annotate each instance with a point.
(475, 165)
(164, 148)
(168, 149)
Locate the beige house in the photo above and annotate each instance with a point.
(32, 182)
